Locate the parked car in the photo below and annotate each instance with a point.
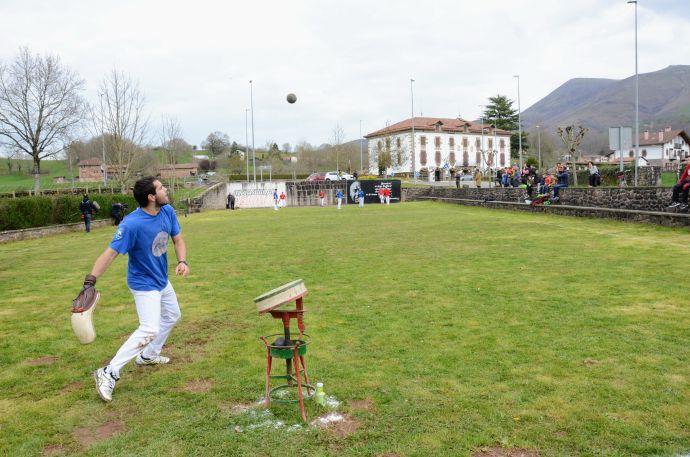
(335, 176)
(316, 177)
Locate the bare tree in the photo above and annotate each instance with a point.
(40, 104)
(337, 137)
(120, 115)
(172, 144)
(571, 140)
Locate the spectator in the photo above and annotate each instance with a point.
(562, 177)
(594, 176)
(477, 177)
(117, 212)
(231, 202)
(679, 197)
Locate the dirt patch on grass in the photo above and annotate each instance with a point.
(198, 386)
(71, 387)
(591, 362)
(54, 449)
(237, 408)
(363, 405)
(87, 436)
(504, 452)
(340, 424)
(389, 454)
(45, 360)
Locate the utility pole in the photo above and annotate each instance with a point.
(105, 164)
(246, 141)
(519, 121)
(414, 165)
(637, 99)
(539, 146)
(361, 144)
(251, 105)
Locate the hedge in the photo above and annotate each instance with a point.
(30, 212)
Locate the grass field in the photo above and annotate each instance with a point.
(442, 330)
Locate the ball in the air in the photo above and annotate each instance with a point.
(291, 98)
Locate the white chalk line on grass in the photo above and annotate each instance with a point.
(263, 419)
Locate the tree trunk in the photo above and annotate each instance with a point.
(37, 174)
(574, 159)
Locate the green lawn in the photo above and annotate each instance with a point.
(442, 329)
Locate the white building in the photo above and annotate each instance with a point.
(440, 144)
(665, 148)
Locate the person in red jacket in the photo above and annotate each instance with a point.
(679, 198)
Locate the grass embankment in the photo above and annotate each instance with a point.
(458, 327)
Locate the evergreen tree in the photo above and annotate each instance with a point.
(500, 112)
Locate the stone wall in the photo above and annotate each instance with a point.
(635, 198)
(40, 232)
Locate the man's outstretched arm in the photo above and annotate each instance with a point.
(103, 262)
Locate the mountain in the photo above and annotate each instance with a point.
(602, 103)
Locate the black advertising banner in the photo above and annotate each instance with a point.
(371, 188)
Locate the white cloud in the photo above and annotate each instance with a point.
(345, 60)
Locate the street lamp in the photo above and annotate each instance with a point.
(519, 121)
(637, 99)
(361, 154)
(539, 145)
(105, 165)
(251, 107)
(246, 141)
(414, 165)
(481, 149)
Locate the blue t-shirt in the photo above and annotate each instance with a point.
(339, 194)
(145, 239)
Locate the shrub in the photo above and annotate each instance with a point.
(29, 212)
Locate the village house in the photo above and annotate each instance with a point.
(179, 170)
(665, 148)
(90, 170)
(440, 144)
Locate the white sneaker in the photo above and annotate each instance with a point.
(158, 360)
(105, 384)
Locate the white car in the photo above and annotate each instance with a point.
(335, 176)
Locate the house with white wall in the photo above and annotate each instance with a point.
(664, 148)
(439, 144)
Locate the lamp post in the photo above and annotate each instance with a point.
(246, 140)
(637, 99)
(539, 146)
(481, 148)
(519, 121)
(414, 165)
(105, 165)
(361, 144)
(251, 107)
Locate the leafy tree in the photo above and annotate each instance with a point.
(216, 143)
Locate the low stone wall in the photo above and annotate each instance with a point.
(633, 198)
(653, 217)
(40, 232)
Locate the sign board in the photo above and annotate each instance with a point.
(616, 134)
(371, 190)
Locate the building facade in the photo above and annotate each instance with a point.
(440, 144)
(179, 170)
(665, 148)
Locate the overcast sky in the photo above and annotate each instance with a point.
(346, 60)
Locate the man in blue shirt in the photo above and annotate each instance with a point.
(144, 234)
(339, 196)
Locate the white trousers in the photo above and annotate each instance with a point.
(158, 312)
(323, 201)
(388, 200)
(339, 200)
(361, 202)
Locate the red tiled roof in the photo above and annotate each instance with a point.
(89, 162)
(667, 135)
(428, 124)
